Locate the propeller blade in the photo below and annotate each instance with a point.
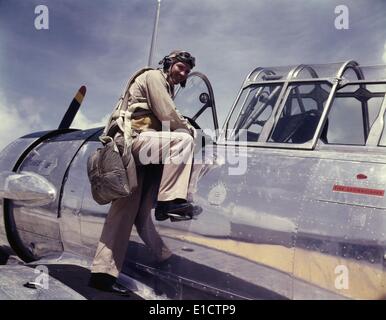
(73, 108)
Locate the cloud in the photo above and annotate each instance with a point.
(384, 53)
(23, 119)
(101, 46)
(16, 123)
(82, 122)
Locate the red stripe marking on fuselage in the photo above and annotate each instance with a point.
(358, 190)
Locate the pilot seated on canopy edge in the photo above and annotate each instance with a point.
(151, 96)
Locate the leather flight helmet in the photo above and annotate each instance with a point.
(178, 56)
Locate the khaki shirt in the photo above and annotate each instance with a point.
(152, 95)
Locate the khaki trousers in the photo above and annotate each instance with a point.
(175, 150)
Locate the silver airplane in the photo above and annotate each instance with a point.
(293, 208)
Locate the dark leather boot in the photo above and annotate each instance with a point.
(106, 282)
(174, 209)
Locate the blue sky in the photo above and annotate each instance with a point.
(100, 43)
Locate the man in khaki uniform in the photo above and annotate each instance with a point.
(153, 112)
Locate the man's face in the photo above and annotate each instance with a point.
(179, 72)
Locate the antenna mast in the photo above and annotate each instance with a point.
(154, 36)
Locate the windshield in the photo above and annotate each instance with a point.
(252, 110)
(196, 101)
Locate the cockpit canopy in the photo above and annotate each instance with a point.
(297, 106)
